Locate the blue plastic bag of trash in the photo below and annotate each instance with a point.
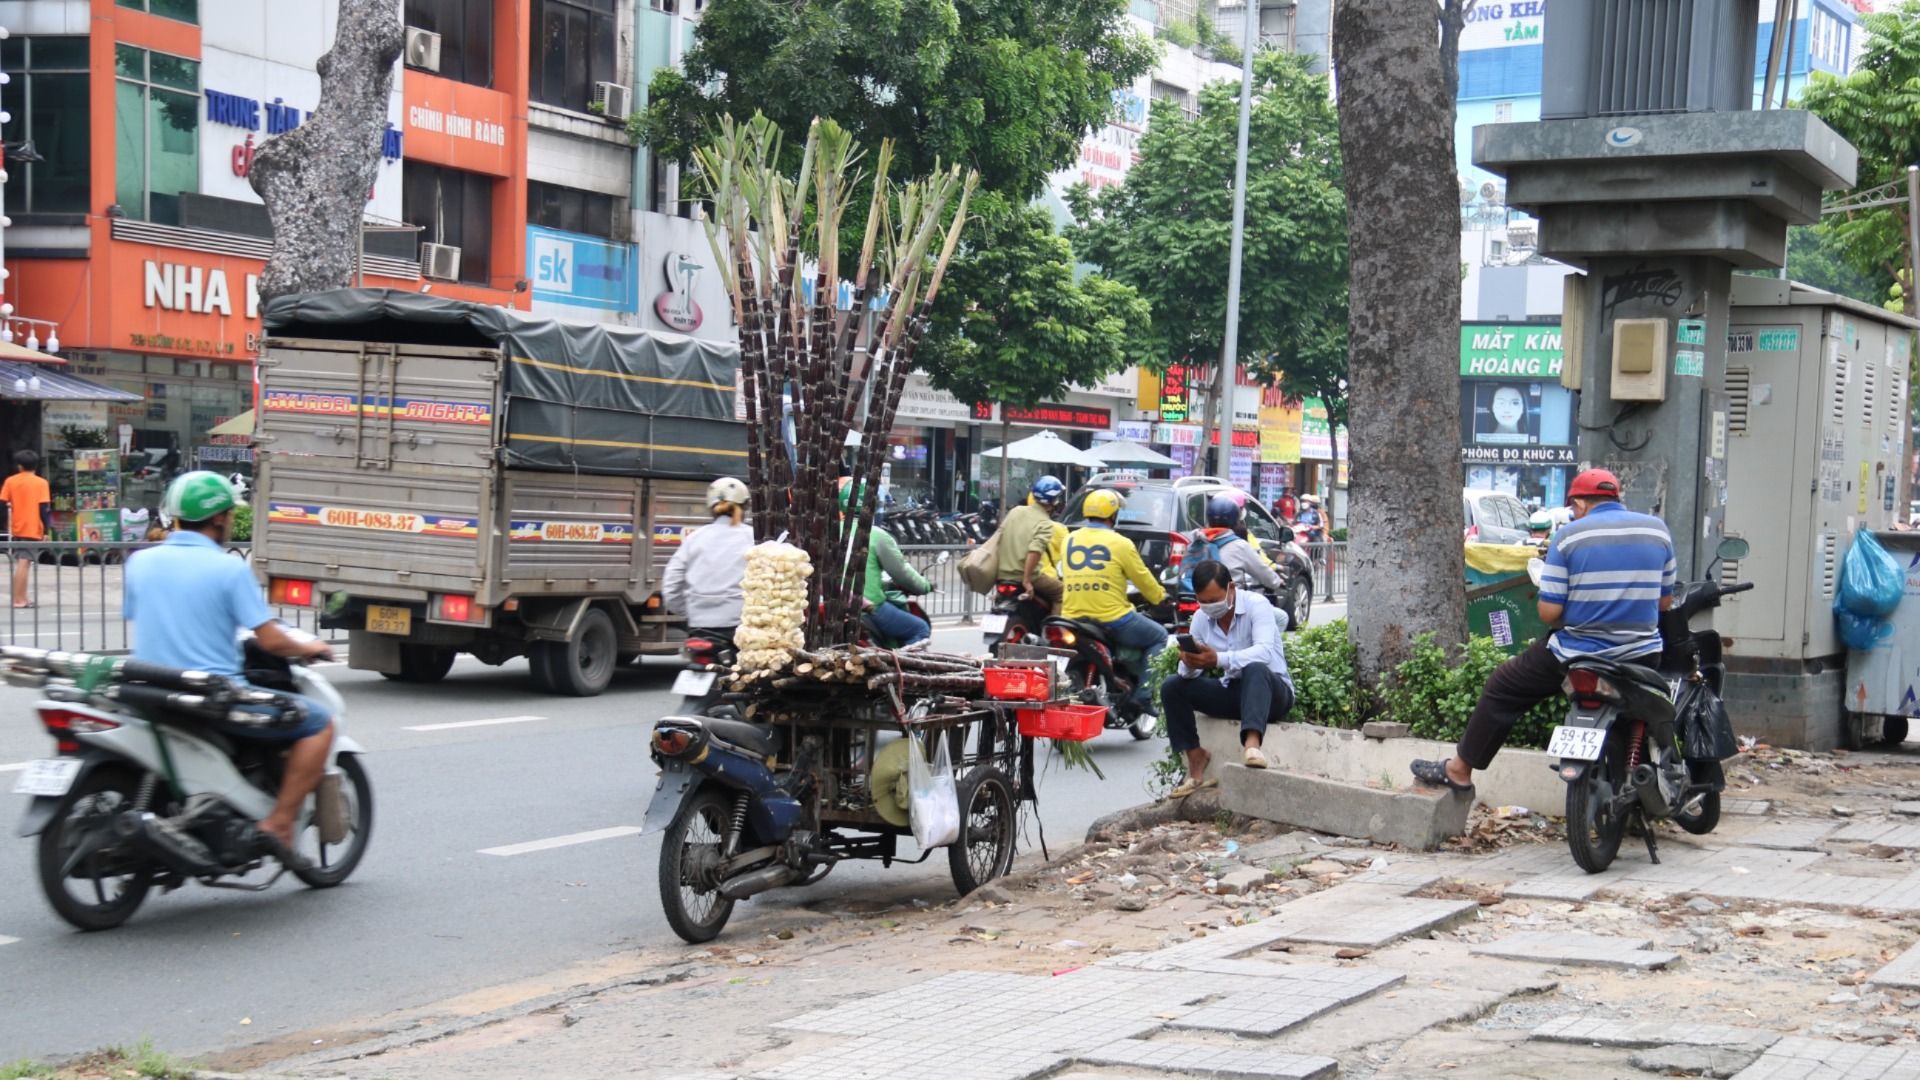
(1871, 580)
(1860, 632)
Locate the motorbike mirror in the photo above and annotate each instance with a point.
(1536, 569)
(1286, 535)
(1733, 549)
(945, 558)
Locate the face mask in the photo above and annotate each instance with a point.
(1217, 608)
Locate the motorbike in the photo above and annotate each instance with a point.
(143, 792)
(705, 652)
(872, 631)
(1101, 673)
(1642, 744)
(1011, 618)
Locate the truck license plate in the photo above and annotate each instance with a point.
(994, 624)
(692, 683)
(389, 620)
(52, 776)
(1577, 743)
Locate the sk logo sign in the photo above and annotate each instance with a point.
(1092, 557)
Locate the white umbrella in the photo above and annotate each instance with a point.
(1132, 453)
(1047, 448)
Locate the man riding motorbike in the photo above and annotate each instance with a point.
(1608, 576)
(1223, 541)
(883, 555)
(1311, 523)
(1098, 564)
(186, 598)
(702, 581)
(1032, 544)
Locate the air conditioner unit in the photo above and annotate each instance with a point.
(423, 49)
(615, 101)
(440, 261)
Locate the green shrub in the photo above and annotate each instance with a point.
(242, 532)
(1339, 536)
(1325, 688)
(1433, 692)
(1182, 34)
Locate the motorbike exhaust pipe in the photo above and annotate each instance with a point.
(757, 881)
(1646, 786)
(174, 848)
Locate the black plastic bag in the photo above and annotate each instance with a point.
(1706, 732)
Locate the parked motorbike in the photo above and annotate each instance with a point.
(1101, 673)
(1640, 744)
(143, 792)
(705, 652)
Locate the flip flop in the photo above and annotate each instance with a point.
(1189, 786)
(1434, 774)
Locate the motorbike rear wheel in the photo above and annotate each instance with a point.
(694, 908)
(1594, 831)
(84, 813)
(330, 864)
(984, 850)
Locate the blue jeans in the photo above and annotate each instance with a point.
(1137, 633)
(901, 625)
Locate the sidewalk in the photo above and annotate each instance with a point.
(1776, 947)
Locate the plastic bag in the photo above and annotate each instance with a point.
(977, 567)
(1860, 632)
(1871, 580)
(1706, 732)
(932, 801)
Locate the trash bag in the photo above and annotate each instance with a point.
(932, 800)
(1706, 731)
(1871, 580)
(1860, 632)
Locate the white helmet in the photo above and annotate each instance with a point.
(727, 490)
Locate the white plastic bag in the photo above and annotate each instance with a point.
(933, 802)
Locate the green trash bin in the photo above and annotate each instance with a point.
(1502, 601)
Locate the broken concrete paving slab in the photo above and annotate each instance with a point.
(1419, 820)
(1715, 1061)
(1577, 949)
(1648, 1034)
(1793, 835)
(1796, 1057)
(1902, 971)
(1585, 888)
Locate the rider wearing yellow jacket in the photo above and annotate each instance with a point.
(1098, 565)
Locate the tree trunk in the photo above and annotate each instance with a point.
(1453, 17)
(1396, 132)
(315, 178)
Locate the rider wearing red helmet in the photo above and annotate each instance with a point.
(1608, 576)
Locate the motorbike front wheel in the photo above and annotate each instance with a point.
(330, 864)
(93, 881)
(691, 847)
(1702, 819)
(1594, 831)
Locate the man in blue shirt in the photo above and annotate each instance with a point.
(1237, 631)
(187, 598)
(1609, 574)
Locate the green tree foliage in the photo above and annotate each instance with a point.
(1815, 257)
(1167, 229)
(1007, 87)
(1012, 324)
(1877, 109)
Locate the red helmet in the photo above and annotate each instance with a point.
(1594, 482)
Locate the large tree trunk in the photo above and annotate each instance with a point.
(1396, 133)
(315, 178)
(1453, 18)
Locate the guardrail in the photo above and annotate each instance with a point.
(78, 591)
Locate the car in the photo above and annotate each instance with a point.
(1493, 517)
(1159, 515)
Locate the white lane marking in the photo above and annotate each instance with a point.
(15, 767)
(564, 841)
(5, 940)
(475, 723)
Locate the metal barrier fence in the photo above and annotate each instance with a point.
(77, 594)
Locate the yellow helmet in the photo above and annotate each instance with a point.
(1102, 504)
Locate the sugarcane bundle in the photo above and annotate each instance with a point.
(773, 619)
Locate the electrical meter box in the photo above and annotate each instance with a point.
(1818, 432)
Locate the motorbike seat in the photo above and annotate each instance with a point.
(757, 738)
(1644, 688)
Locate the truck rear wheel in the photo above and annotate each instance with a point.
(581, 666)
(423, 664)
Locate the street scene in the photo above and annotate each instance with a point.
(993, 541)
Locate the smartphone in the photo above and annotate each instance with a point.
(1187, 644)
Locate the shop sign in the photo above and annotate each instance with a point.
(920, 401)
(1316, 436)
(1280, 424)
(456, 124)
(1517, 455)
(174, 287)
(1176, 434)
(983, 411)
(1124, 384)
(1504, 24)
(1138, 431)
(582, 271)
(1520, 352)
(1240, 466)
(1173, 394)
(1070, 416)
(676, 306)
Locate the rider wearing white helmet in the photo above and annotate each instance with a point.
(703, 577)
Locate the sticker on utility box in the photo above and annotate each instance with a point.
(1690, 362)
(572, 532)
(353, 517)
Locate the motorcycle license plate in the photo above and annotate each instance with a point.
(692, 683)
(1576, 743)
(389, 620)
(994, 624)
(50, 777)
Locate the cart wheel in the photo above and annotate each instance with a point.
(985, 848)
(1893, 730)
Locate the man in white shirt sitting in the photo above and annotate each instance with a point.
(1236, 631)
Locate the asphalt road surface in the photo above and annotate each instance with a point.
(478, 762)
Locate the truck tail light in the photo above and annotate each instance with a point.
(453, 607)
(290, 592)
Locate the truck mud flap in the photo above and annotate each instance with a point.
(368, 651)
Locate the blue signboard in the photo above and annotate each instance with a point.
(585, 271)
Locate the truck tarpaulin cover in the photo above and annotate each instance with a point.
(580, 396)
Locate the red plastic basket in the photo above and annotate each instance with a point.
(1068, 723)
(1016, 683)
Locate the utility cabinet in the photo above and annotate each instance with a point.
(1817, 429)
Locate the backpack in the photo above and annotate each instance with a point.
(1200, 549)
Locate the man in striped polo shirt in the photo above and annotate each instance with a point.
(1609, 574)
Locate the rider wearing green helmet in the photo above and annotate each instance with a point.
(883, 554)
(186, 597)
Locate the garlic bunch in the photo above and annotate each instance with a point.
(775, 588)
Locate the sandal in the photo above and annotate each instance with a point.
(1434, 774)
(1190, 785)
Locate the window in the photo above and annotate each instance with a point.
(1503, 112)
(571, 210)
(466, 36)
(451, 207)
(575, 44)
(48, 98)
(157, 128)
(184, 10)
(1261, 524)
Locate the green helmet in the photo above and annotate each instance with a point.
(196, 496)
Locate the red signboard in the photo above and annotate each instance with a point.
(1072, 416)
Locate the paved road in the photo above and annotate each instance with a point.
(427, 916)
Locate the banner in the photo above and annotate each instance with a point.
(1280, 423)
(1316, 437)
